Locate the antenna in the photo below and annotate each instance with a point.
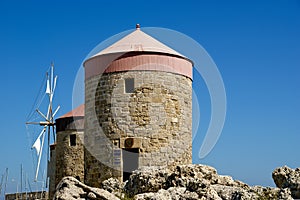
(47, 122)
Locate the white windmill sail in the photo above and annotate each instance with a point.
(40, 152)
(37, 146)
(48, 87)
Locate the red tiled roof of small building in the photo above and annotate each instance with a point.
(77, 112)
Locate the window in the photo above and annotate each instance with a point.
(129, 85)
(73, 140)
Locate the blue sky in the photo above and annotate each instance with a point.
(255, 45)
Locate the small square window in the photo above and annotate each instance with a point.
(129, 85)
(73, 140)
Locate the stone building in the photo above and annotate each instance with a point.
(137, 112)
(67, 154)
(138, 108)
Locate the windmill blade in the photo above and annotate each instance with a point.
(48, 87)
(40, 152)
(54, 84)
(48, 110)
(36, 123)
(55, 111)
(37, 110)
(41, 133)
(51, 77)
(37, 144)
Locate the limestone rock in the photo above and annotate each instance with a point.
(160, 195)
(233, 192)
(194, 182)
(285, 177)
(192, 177)
(266, 192)
(173, 193)
(91, 195)
(285, 194)
(70, 188)
(181, 193)
(210, 194)
(149, 179)
(184, 182)
(113, 185)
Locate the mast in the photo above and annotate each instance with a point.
(6, 179)
(21, 180)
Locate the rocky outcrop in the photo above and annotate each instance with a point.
(70, 188)
(193, 182)
(113, 186)
(287, 178)
(190, 182)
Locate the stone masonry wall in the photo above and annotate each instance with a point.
(52, 171)
(69, 159)
(156, 116)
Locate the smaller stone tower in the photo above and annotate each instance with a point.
(68, 152)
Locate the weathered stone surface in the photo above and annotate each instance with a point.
(233, 192)
(149, 179)
(194, 182)
(69, 158)
(192, 177)
(173, 193)
(184, 182)
(70, 188)
(285, 177)
(160, 195)
(91, 195)
(285, 194)
(113, 186)
(156, 115)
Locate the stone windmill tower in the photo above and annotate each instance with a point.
(67, 154)
(138, 108)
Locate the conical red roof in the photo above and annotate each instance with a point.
(138, 41)
(77, 112)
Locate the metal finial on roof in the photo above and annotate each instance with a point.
(137, 26)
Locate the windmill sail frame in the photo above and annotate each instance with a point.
(48, 122)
